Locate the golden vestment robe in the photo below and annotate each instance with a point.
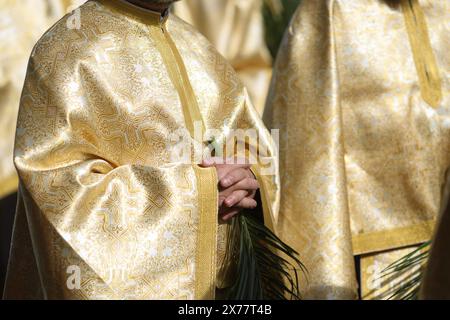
(360, 95)
(103, 212)
(236, 29)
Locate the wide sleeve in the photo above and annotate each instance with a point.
(263, 153)
(304, 104)
(244, 136)
(107, 220)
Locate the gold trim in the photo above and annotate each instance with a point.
(205, 272)
(393, 238)
(206, 251)
(178, 75)
(267, 208)
(9, 186)
(424, 59)
(193, 113)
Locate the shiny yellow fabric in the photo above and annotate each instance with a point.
(99, 193)
(236, 29)
(22, 22)
(363, 155)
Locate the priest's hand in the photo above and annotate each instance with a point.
(237, 187)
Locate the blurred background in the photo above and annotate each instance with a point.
(247, 32)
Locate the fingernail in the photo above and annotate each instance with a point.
(229, 202)
(208, 162)
(226, 182)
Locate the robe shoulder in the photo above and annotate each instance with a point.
(190, 31)
(78, 32)
(203, 48)
(79, 35)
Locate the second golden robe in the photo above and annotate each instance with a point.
(360, 94)
(236, 29)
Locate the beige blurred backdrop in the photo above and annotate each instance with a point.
(236, 29)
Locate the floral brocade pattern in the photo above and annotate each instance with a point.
(363, 156)
(98, 190)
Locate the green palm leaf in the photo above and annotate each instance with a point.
(266, 267)
(277, 15)
(409, 272)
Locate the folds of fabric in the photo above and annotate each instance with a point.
(363, 151)
(104, 211)
(236, 29)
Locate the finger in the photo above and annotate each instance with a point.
(234, 162)
(221, 221)
(229, 214)
(213, 161)
(207, 163)
(221, 199)
(234, 176)
(248, 184)
(235, 198)
(247, 203)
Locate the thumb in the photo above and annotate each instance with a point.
(206, 163)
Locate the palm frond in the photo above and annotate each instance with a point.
(275, 7)
(407, 273)
(266, 268)
(277, 14)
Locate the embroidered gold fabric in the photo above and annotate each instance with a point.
(104, 213)
(365, 137)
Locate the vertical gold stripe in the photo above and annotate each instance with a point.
(424, 59)
(267, 208)
(205, 274)
(178, 76)
(192, 104)
(207, 233)
(174, 73)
